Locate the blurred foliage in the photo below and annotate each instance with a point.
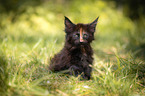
(16, 5)
(131, 8)
(44, 18)
(136, 39)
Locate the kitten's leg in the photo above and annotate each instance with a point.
(87, 72)
(57, 67)
(74, 70)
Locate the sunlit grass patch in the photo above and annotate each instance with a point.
(113, 82)
(29, 74)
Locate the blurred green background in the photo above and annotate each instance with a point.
(32, 31)
(121, 23)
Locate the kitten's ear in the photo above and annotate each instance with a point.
(68, 23)
(93, 24)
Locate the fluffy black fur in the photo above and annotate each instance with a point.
(76, 56)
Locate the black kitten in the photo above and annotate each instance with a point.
(76, 56)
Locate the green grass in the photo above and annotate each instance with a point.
(28, 43)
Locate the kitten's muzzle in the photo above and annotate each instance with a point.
(82, 43)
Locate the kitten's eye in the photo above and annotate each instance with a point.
(76, 35)
(85, 36)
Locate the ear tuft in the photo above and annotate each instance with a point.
(68, 23)
(93, 24)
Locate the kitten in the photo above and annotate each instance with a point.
(76, 56)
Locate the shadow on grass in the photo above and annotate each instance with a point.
(139, 51)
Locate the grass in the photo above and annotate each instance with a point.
(28, 43)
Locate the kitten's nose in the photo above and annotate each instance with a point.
(81, 40)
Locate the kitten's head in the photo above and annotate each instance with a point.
(79, 34)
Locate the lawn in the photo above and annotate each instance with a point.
(29, 40)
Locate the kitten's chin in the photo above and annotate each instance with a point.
(81, 44)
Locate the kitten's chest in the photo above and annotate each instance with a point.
(79, 55)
